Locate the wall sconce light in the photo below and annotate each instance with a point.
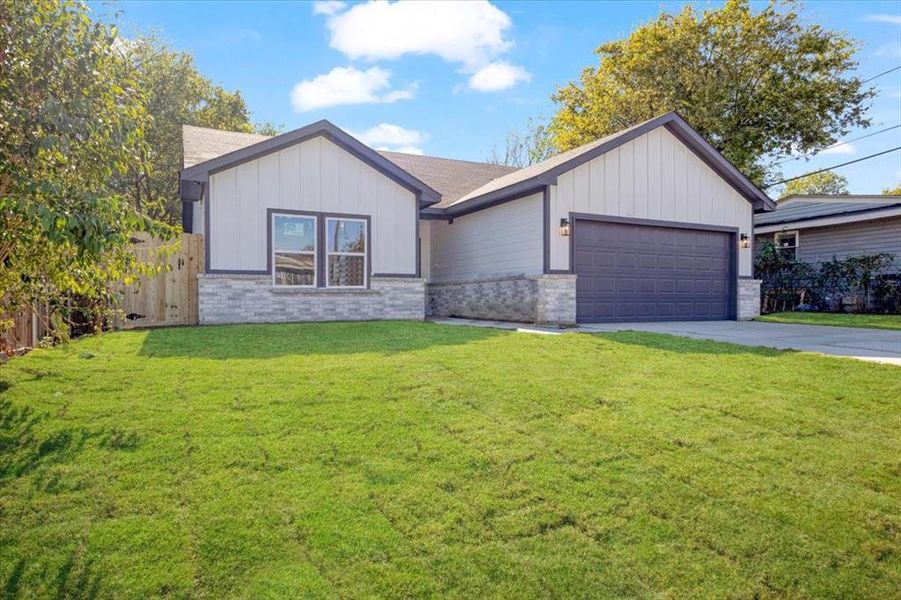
(745, 240)
(564, 227)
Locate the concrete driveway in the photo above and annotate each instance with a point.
(877, 345)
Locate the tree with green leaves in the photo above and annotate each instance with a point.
(268, 128)
(895, 191)
(759, 85)
(71, 120)
(827, 183)
(175, 93)
(524, 147)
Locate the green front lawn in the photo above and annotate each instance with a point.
(414, 459)
(836, 319)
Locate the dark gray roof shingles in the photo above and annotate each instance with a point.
(802, 211)
(452, 178)
(201, 144)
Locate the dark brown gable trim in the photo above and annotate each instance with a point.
(674, 124)
(200, 173)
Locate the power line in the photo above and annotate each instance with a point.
(844, 164)
(881, 74)
(836, 144)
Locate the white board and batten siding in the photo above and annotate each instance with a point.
(655, 176)
(318, 176)
(500, 241)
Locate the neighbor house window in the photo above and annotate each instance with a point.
(346, 250)
(787, 244)
(293, 250)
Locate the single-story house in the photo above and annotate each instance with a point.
(648, 224)
(814, 229)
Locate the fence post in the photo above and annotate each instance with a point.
(34, 326)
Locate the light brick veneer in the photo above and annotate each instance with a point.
(556, 299)
(546, 299)
(748, 298)
(226, 298)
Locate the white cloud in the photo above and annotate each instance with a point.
(883, 18)
(402, 149)
(410, 150)
(471, 34)
(840, 149)
(498, 76)
(327, 7)
(461, 32)
(347, 85)
(392, 138)
(889, 50)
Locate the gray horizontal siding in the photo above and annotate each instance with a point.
(498, 241)
(868, 237)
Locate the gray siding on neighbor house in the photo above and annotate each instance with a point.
(866, 237)
(499, 241)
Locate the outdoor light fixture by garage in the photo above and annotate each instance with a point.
(745, 241)
(564, 227)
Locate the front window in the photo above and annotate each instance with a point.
(787, 244)
(294, 250)
(346, 248)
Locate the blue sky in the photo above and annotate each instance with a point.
(451, 82)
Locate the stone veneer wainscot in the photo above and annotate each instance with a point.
(231, 298)
(748, 298)
(543, 299)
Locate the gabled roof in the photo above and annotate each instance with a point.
(451, 187)
(453, 178)
(200, 172)
(797, 209)
(546, 172)
(201, 144)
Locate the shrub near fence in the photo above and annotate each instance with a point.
(168, 297)
(858, 283)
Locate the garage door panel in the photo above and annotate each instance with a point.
(626, 260)
(647, 261)
(685, 286)
(650, 273)
(602, 258)
(666, 262)
(647, 286)
(625, 286)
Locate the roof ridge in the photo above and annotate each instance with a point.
(226, 130)
(463, 160)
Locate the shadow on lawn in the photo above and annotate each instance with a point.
(287, 339)
(75, 578)
(685, 345)
(23, 448)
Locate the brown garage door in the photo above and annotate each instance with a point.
(629, 272)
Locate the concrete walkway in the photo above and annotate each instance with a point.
(877, 345)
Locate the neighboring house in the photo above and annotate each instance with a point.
(814, 229)
(648, 224)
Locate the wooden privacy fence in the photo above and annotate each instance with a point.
(29, 328)
(169, 297)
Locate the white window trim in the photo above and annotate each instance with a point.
(365, 254)
(793, 232)
(315, 252)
